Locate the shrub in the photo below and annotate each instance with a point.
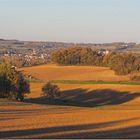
(50, 90)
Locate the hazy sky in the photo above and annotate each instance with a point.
(91, 21)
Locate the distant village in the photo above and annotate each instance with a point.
(40, 52)
(29, 54)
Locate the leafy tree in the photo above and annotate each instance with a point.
(121, 63)
(12, 83)
(21, 86)
(50, 90)
(76, 56)
(5, 86)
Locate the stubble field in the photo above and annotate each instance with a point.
(84, 111)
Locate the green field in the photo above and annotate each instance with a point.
(94, 82)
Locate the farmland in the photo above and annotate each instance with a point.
(81, 73)
(83, 110)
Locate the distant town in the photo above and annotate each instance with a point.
(34, 53)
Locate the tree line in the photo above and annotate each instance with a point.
(121, 63)
(76, 55)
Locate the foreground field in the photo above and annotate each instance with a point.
(81, 111)
(116, 96)
(118, 115)
(36, 119)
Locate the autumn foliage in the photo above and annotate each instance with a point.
(50, 90)
(121, 63)
(77, 55)
(12, 83)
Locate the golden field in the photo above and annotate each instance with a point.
(94, 111)
(54, 72)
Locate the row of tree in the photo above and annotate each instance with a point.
(77, 55)
(12, 83)
(121, 63)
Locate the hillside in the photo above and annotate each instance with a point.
(55, 72)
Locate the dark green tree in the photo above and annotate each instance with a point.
(50, 90)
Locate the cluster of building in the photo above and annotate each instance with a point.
(28, 54)
(41, 51)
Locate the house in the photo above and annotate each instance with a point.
(103, 52)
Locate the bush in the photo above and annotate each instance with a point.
(50, 90)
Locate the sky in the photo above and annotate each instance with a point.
(85, 21)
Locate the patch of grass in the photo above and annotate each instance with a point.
(94, 82)
(34, 81)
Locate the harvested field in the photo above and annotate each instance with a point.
(54, 72)
(50, 121)
(81, 111)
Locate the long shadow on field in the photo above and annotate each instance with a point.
(85, 98)
(77, 131)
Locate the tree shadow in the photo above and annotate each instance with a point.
(85, 98)
(77, 131)
(123, 133)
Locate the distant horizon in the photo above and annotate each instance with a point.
(87, 21)
(12, 39)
